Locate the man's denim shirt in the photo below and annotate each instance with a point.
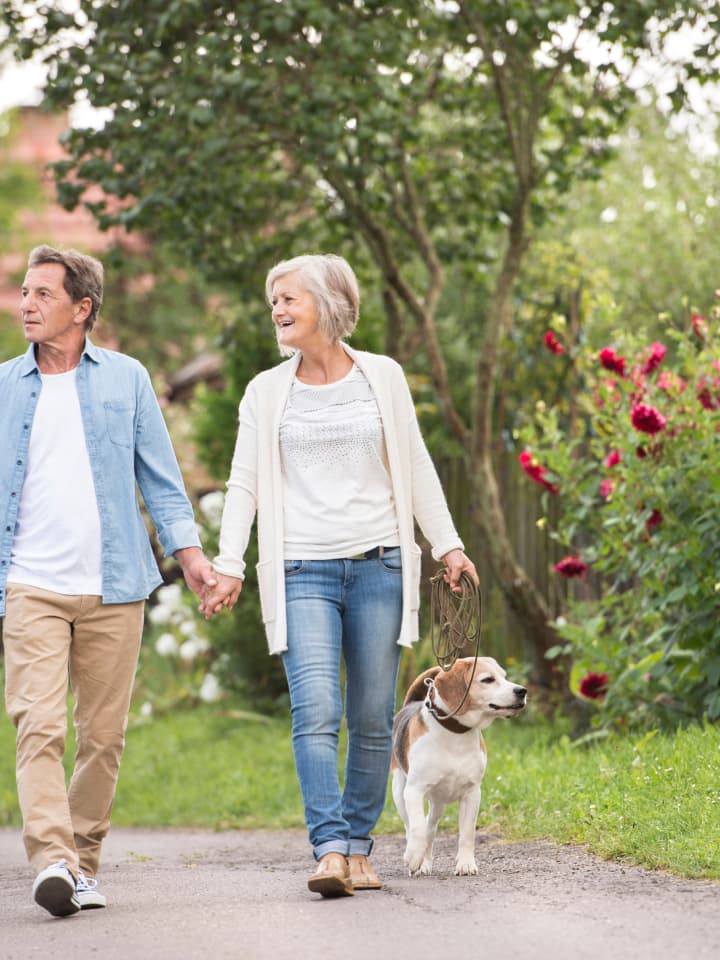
(129, 447)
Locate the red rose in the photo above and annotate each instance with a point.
(700, 326)
(552, 343)
(611, 361)
(647, 419)
(607, 487)
(657, 355)
(612, 458)
(708, 393)
(594, 685)
(536, 472)
(654, 520)
(670, 382)
(571, 566)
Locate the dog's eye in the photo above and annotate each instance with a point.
(487, 680)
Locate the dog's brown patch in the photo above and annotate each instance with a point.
(407, 727)
(452, 685)
(418, 688)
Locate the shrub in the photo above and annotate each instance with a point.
(637, 487)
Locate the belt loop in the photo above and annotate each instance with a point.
(381, 551)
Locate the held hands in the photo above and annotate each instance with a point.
(215, 590)
(223, 595)
(456, 563)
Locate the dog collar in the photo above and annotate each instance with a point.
(445, 720)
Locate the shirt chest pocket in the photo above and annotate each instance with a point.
(120, 420)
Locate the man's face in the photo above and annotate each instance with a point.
(48, 314)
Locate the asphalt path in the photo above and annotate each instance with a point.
(176, 894)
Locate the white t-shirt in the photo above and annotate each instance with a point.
(337, 493)
(57, 544)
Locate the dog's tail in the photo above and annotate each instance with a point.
(418, 688)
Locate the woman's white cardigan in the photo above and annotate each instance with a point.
(256, 486)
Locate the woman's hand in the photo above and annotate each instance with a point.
(456, 563)
(223, 595)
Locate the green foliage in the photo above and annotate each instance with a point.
(18, 186)
(158, 311)
(647, 525)
(649, 220)
(650, 800)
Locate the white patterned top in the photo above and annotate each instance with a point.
(338, 496)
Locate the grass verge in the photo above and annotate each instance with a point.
(653, 801)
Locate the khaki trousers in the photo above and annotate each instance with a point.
(48, 638)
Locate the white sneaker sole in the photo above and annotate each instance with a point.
(91, 900)
(56, 895)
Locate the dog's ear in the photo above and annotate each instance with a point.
(418, 688)
(453, 684)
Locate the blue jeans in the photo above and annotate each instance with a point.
(348, 609)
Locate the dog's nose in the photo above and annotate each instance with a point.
(520, 692)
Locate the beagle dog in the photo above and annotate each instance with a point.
(439, 755)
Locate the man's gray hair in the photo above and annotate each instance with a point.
(83, 276)
(332, 283)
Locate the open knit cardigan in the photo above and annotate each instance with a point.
(255, 487)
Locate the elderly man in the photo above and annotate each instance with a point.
(80, 431)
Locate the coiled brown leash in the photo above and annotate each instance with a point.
(455, 619)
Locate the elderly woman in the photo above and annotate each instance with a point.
(330, 457)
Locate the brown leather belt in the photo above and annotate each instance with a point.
(375, 554)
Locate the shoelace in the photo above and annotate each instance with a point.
(85, 883)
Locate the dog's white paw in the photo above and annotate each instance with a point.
(414, 856)
(466, 867)
(426, 867)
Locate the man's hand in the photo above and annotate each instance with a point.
(197, 570)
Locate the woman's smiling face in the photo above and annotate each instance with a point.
(294, 313)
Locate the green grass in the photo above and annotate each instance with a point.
(654, 802)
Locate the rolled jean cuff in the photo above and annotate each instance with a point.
(331, 846)
(361, 846)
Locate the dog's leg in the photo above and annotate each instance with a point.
(434, 813)
(416, 828)
(398, 791)
(468, 807)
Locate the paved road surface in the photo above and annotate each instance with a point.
(181, 895)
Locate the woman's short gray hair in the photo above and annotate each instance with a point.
(332, 283)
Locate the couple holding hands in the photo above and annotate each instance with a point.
(331, 465)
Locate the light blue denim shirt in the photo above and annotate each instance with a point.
(129, 448)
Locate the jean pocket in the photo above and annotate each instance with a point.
(293, 566)
(392, 559)
(120, 420)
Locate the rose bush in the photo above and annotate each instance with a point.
(636, 478)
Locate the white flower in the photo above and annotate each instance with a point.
(166, 645)
(171, 596)
(188, 651)
(160, 614)
(210, 690)
(212, 506)
(146, 709)
(187, 628)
